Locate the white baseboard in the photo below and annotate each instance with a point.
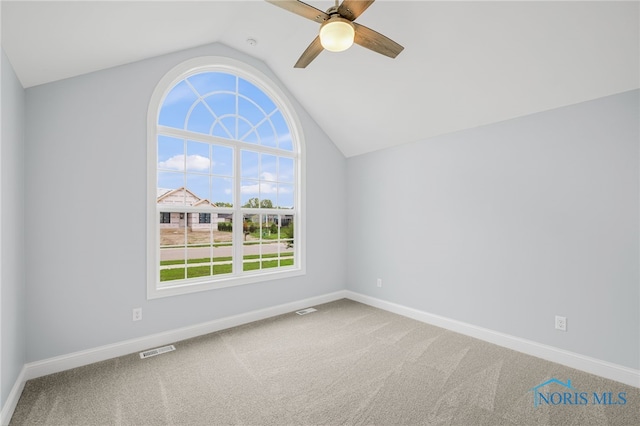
(36, 369)
(89, 356)
(13, 398)
(44, 367)
(598, 367)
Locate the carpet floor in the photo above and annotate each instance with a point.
(346, 364)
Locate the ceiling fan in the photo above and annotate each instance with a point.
(338, 30)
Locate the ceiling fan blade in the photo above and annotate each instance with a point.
(351, 9)
(310, 54)
(302, 9)
(366, 37)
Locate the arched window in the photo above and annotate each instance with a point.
(224, 180)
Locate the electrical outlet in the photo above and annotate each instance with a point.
(137, 314)
(379, 282)
(561, 323)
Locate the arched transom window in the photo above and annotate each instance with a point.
(226, 169)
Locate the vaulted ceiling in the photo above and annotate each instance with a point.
(465, 64)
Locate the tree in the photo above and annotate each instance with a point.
(286, 232)
(222, 204)
(255, 203)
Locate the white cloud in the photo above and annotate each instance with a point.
(268, 176)
(262, 188)
(194, 162)
(265, 188)
(180, 93)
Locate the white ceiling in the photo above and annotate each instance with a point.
(465, 64)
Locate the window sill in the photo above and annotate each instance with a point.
(168, 290)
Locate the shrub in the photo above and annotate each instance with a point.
(225, 226)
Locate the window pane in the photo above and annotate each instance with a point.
(222, 191)
(170, 153)
(283, 132)
(286, 143)
(251, 137)
(223, 243)
(285, 196)
(200, 249)
(176, 105)
(251, 244)
(271, 246)
(229, 123)
(250, 112)
(221, 104)
(265, 246)
(285, 169)
(199, 268)
(270, 253)
(255, 94)
(222, 259)
(267, 135)
(267, 195)
(285, 253)
(286, 259)
(223, 229)
(211, 81)
(168, 190)
(250, 194)
(221, 131)
(250, 166)
(270, 229)
(245, 129)
(172, 272)
(172, 247)
(286, 231)
(222, 160)
(269, 167)
(200, 119)
(198, 189)
(198, 159)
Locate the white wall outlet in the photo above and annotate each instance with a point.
(137, 314)
(379, 282)
(561, 323)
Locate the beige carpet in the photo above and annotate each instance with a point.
(348, 363)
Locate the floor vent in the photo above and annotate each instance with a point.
(306, 311)
(157, 351)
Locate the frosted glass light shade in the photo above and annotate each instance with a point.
(337, 34)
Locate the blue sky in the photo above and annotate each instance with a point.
(228, 107)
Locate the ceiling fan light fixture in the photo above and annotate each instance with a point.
(337, 34)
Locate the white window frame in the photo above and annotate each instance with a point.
(254, 76)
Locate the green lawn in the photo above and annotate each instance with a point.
(251, 266)
(193, 272)
(204, 271)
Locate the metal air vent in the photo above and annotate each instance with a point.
(157, 351)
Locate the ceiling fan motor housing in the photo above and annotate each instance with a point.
(337, 34)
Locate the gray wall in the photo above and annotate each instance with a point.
(502, 226)
(507, 225)
(12, 278)
(86, 239)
